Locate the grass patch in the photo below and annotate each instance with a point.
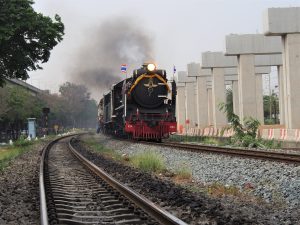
(210, 141)
(183, 173)
(9, 153)
(149, 161)
(100, 148)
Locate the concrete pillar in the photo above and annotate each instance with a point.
(291, 64)
(259, 98)
(235, 96)
(218, 96)
(247, 83)
(281, 86)
(190, 104)
(202, 109)
(210, 106)
(180, 106)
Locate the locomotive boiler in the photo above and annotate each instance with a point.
(140, 107)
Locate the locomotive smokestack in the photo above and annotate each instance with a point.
(114, 42)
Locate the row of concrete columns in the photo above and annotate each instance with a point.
(198, 100)
(248, 54)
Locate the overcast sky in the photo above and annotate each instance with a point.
(179, 30)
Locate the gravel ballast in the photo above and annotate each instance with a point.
(276, 183)
(19, 189)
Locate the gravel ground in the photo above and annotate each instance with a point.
(274, 182)
(19, 189)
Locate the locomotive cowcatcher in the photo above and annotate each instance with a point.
(140, 107)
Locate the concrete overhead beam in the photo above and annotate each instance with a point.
(257, 44)
(183, 78)
(279, 21)
(230, 71)
(217, 60)
(227, 78)
(195, 70)
(263, 70)
(178, 84)
(231, 78)
(268, 60)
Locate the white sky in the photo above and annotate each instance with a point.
(181, 29)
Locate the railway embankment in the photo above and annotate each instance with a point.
(19, 193)
(264, 192)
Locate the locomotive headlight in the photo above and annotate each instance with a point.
(150, 67)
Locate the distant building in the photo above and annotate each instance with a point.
(33, 90)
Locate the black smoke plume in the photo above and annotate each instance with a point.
(114, 42)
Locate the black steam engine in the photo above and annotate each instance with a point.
(140, 107)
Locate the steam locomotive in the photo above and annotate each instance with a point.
(141, 107)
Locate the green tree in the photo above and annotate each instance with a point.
(271, 103)
(229, 103)
(244, 134)
(26, 38)
(77, 101)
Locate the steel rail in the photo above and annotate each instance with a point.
(43, 200)
(149, 207)
(264, 155)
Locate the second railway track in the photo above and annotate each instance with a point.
(257, 154)
(75, 191)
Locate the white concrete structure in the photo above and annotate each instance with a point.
(216, 61)
(252, 44)
(210, 106)
(180, 105)
(285, 22)
(282, 101)
(190, 99)
(235, 97)
(245, 47)
(194, 70)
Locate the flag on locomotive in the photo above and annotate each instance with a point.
(141, 106)
(123, 68)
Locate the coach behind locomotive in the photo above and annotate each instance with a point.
(141, 107)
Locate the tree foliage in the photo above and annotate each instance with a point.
(26, 38)
(72, 108)
(245, 134)
(271, 103)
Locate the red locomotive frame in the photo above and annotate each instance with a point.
(139, 129)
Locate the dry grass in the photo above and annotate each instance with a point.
(183, 174)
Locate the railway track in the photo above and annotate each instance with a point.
(257, 154)
(75, 191)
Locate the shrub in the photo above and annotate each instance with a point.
(22, 142)
(149, 161)
(210, 141)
